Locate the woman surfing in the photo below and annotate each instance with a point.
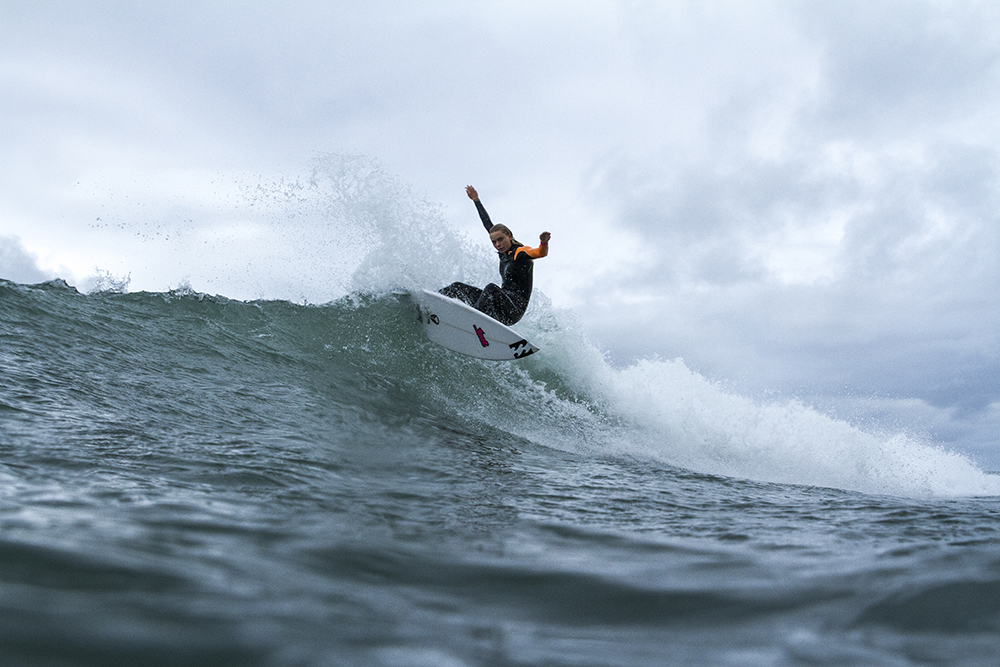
(505, 303)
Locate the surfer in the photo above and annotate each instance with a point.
(506, 303)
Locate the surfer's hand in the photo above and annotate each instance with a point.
(471, 191)
(544, 237)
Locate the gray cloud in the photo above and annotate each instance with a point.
(926, 63)
(17, 264)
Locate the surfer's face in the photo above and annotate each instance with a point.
(501, 240)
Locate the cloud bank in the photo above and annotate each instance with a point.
(17, 264)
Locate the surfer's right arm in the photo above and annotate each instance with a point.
(483, 215)
(541, 251)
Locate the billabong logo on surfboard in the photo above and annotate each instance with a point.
(482, 336)
(521, 348)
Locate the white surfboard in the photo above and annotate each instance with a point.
(461, 328)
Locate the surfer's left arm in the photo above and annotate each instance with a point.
(542, 250)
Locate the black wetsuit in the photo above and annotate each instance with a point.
(506, 303)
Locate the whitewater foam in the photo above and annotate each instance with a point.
(662, 410)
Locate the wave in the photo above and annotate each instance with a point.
(369, 354)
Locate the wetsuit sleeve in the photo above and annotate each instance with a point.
(483, 215)
(534, 253)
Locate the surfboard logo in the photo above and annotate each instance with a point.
(427, 316)
(521, 349)
(482, 336)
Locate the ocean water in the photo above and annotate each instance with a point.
(189, 479)
(192, 480)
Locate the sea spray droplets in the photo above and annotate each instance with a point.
(104, 282)
(348, 225)
(408, 243)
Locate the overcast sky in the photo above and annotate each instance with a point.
(801, 197)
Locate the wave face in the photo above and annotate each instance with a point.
(567, 398)
(192, 479)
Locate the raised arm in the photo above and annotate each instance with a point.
(483, 215)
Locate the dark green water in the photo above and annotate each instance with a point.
(188, 480)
